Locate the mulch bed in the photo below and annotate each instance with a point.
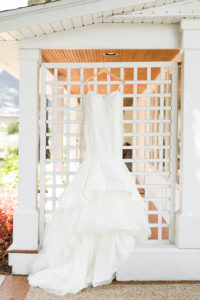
(5, 270)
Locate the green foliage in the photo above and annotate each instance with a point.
(12, 150)
(13, 128)
(9, 172)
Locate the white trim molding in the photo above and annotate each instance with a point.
(183, 8)
(188, 217)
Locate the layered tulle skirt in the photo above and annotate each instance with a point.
(93, 230)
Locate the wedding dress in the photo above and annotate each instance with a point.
(100, 215)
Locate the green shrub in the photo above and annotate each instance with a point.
(13, 128)
(9, 172)
(12, 150)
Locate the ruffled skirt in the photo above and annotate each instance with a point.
(93, 230)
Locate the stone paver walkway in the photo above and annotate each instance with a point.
(16, 287)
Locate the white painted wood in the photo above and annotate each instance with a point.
(188, 217)
(42, 152)
(47, 28)
(82, 119)
(181, 8)
(54, 147)
(190, 37)
(57, 26)
(6, 36)
(37, 30)
(139, 96)
(144, 263)
(104, 82)
(173, 151)
(160, 263)
(143, 36)
(20, 262)
(59, 10)
(17, 35)
(54, 15)
(127, 108)
(77, 22)
(67, 24)
(27, 32)
(68, 117)
(111, 64)
(189, 24)
(25, 231)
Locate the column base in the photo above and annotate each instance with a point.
(20, 260)
(160, 263)
(25, 230)
(187, 230)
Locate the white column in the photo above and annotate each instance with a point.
(25, 235)
(188, 218)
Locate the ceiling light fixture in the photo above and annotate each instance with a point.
(110, 54)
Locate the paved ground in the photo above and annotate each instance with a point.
(14, 287)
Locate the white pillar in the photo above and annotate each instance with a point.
(188, 218)
(25, 235)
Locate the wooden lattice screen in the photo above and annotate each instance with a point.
(149, 132)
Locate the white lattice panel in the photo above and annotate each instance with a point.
(149, 132)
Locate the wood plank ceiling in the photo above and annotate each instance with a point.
(97, 55)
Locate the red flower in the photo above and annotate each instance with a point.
(6, 228)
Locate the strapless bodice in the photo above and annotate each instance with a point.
(103, 124)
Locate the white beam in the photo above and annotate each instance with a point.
(129, 36)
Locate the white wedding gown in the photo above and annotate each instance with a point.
(100, 214)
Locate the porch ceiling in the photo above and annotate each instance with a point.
(96, 55)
